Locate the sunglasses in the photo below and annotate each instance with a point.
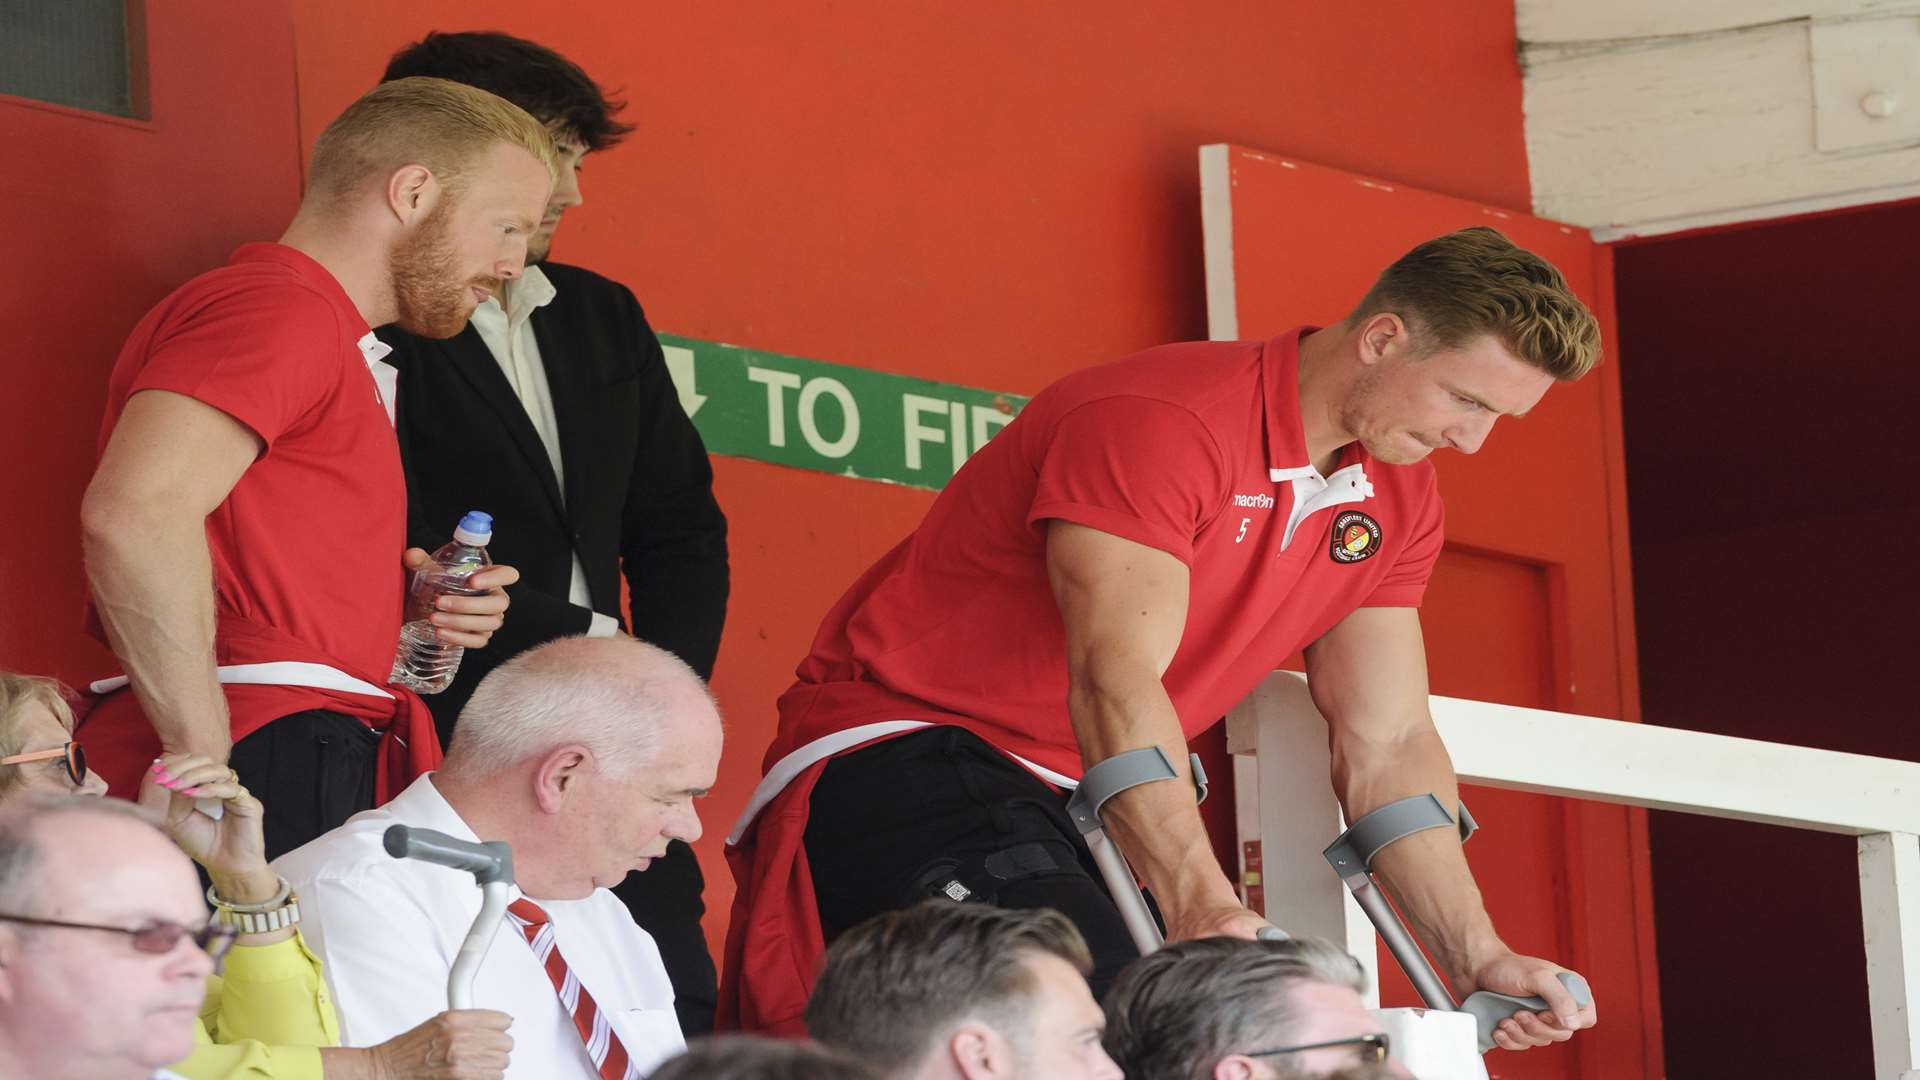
(76, 760)
(159, 937)
(1371, 1047)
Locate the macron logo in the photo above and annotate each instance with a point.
(1257, 502)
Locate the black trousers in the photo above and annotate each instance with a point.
(941, 813)
(311, 770)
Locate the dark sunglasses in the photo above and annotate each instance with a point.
(1371, 1047)
(158, 937)
(76, 760)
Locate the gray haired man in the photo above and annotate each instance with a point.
(584, 755)
(1231, 1009)
(105, 945)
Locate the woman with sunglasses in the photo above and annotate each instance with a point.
(37, 751)
(267, 1006)
(267, 1016)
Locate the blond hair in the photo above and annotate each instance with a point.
(17, 694)
(1458, 287)
(435, 123)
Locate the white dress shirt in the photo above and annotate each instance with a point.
(388, 930)
(508, 332)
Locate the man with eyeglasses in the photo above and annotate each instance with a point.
(267, 1017)
(105, 942)
(1231, 1009)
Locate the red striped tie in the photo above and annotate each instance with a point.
(603, 1046)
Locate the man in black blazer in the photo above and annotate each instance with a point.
(554, 412)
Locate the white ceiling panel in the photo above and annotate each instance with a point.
(1645, 117)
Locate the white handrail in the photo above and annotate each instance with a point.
(1279, 740)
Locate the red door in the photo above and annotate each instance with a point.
(103, 217)
(1530, 604)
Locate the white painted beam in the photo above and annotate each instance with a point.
(1607, 234)
(1296, 816)
(1279, 740)
(1890, 912)
(1216, 238)
(1583, 21)
(1647, 116)
(1660, 768)
(1285, 800)
(1643, 132)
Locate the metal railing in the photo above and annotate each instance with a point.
(1279, 742)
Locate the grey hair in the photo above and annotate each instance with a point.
(20, 851)
(17, 692)
(1175, 1013)
(611, 695)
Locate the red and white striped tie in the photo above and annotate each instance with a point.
(603, 1046)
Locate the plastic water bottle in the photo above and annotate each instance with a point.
(425, 664)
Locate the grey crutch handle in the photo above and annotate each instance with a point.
(1351, 856)
(491, 864)
(489, 861)
(1489, 1008)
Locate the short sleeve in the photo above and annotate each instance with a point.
(1406, 584)
(1133, 467)
(382, 951)
(264, 355)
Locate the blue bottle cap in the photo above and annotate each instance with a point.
(475, 528)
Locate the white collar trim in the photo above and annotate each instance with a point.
(386, 377)
(1313, 492)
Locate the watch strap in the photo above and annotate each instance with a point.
(275, 913)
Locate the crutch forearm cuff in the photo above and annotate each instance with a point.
(1353, 851)
(1122, 771)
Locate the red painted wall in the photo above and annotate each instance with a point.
(103, 217)
(1768, 401)
(992, 195)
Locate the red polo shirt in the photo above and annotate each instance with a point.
(1194, 449)
(306, 548)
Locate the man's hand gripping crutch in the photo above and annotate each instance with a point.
(1124, 609)
(463, 1043)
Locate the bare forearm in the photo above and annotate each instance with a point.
(1427, 872)
(1156, 825)
(153, 587)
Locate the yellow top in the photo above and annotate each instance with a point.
(264, 1018)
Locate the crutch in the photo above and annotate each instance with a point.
(1103, 782)
(1351, 856)
(491, 864)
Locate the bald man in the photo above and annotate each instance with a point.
(105, 943)
(585, 755)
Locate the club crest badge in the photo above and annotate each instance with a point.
(1356, 536)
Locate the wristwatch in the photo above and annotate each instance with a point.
(276, 913)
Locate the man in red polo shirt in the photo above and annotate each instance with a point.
(1128, 559)
(245, 530)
